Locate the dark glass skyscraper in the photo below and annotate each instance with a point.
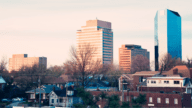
(167, 35)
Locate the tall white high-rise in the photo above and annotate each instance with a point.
(99, 34)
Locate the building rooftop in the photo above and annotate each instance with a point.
(44, 89)
(176, 13)
(183, 71)
(147, 73)
(2, 81)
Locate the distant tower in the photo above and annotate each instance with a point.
(127, 52)
(99, 34)
(167, 35)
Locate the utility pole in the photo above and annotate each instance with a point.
(39, 92)
(122, 89)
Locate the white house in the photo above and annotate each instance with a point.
(59, 97)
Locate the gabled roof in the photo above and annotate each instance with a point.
(44, 89)
(141, 73)
(182, 71)
(2, 81)
(62, 93)
(128, 76)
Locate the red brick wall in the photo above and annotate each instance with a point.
(154, 99)
(136, 80)
(165, 89)
(186, 98)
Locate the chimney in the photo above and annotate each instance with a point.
(175, 71)
(72, 86)
(62, 87)
(53, 88)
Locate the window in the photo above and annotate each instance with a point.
(52, 100)
(175, 101)
(32, 96)
(176, 82)
(141, 79)
(167, 100)
(57, 100)
(150, 99)
(120, 97)
(153, 82)
(158, 100)
(61, 100)
(166, 82)
(127, 98)
(43, 96)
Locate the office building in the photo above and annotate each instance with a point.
(19, 60)
(167, 35)
(100, 35)
(127, 52)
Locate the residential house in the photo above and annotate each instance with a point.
(132, 80)
(167, 83)
(65, 97)
(162, 89)
(44, 91)
(51, 80)
(2, 83)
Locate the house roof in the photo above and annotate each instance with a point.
(182, 70)
(146, 73)
(44, 89)
(62, 93)
(129, 76)
(2, 81)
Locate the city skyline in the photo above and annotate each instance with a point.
(49, 28)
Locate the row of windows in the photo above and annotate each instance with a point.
(165, 82)
(107, 44)
(166, 100)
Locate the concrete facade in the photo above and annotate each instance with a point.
(19, 60)
(100, 35)
(126, 54)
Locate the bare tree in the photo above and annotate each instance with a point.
(84, 64)
(3, 64)
(113, 74)
(167, 62)
(140, 63)
(56, 70)
(27, 77)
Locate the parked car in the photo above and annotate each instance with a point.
(6, 100)
(17, 99)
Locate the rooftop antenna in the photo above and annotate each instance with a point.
(96, 18)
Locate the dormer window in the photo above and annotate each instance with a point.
(70, 93)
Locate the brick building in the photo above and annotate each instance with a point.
(132, 80)
(19, 60)
(126, 54)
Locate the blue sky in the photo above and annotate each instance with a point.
(48, 27)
